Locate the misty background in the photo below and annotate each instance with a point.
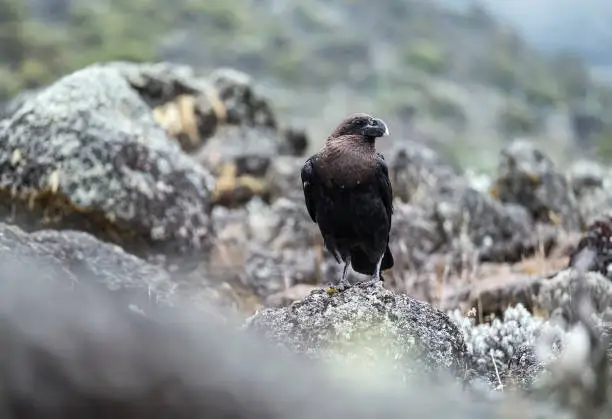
(555, 26)
(464, 75)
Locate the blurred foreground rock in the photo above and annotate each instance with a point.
(80, 354)
(72, 259)
(68, 257)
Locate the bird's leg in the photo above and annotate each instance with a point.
(376, 278)
(344, 281)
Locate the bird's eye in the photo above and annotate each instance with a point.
(360, 122)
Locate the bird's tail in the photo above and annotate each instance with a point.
(361, 263)
(388, 261)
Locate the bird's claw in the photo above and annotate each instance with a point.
(372, 281)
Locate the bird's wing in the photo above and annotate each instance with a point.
(384, 184)
(308, 184)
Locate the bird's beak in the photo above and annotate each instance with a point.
(376, 128)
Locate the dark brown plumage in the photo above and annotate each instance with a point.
(348, 194)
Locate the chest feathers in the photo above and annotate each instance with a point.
(347, 162)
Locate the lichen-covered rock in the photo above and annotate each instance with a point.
(85, 153)
(249, 149)
(285, 224)
(586, 175)
(183, 102)
(370, 322)
(9, 107)
(248, 142)
(220, 119)
(243, 102)
(526, 176)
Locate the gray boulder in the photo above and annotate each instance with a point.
(86, 153)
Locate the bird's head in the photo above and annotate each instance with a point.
(363, 125)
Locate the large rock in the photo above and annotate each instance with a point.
(86, 153)
(76, 355)
(369, 320)
(72, 259)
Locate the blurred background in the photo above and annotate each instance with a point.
(467, 75)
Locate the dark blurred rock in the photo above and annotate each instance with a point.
(461, 220)
(269, 273)
(473, 221)
(78, 354)
(598, 239)
(411, 333)
(86, 153)
(528, 177)
(244, 105)
(586, 124)
(69, 257)
(296, 141)
(556, 294)
(592, 185)
(414, 237)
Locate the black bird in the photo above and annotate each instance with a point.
(348, 194)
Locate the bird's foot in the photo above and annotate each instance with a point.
(372, 281)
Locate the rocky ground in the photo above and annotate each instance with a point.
(162, 187)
